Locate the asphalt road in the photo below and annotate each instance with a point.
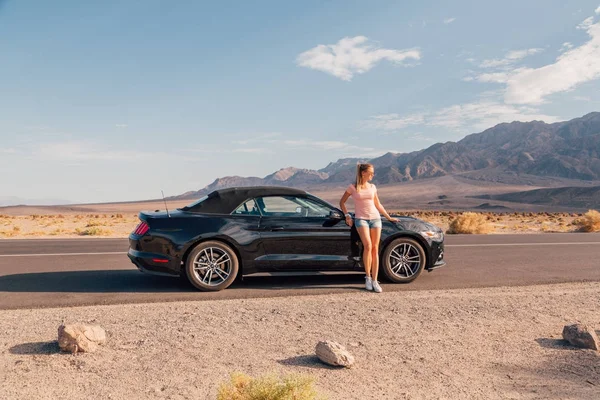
(72, 272)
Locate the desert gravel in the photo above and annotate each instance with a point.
(496, 343)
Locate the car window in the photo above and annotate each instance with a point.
(291, 206)
(248, 208)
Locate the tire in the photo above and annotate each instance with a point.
(403, 260)
(211, 266)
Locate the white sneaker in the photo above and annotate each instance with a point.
(376, 287)
(368, 283)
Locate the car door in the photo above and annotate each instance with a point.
(298, 233)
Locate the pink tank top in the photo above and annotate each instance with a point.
(364, 202)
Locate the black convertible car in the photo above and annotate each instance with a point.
(240, 231)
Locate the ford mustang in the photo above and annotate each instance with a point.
(234, 232)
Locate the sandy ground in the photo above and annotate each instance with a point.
(500, 343)
(120, 225)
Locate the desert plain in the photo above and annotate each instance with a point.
(486, 343)
(438, 200)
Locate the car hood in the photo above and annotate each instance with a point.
(415, 224)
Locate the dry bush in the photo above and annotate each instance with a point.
(548, 227)
(10, 233)
(35, 233)
(57, 231)
(91, 224)
(268, 387)
(94, 231)
(589, 222)
(470, 223)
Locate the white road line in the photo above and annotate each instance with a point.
(518, 244)
(448, 245)
(61, 254)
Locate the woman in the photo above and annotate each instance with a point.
(367, 220)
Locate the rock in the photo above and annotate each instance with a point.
(333, 353)
(581, 336)
(80, 337)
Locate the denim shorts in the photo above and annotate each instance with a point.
(368, 223)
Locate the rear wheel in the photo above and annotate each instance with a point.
(403, 260)
(212, 266)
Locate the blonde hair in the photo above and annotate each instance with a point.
(360, 168)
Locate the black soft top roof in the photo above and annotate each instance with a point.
(225, 201)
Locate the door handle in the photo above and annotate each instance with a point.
(276, 228)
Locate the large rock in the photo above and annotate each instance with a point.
(581, 336)
(80, 337)
(333, 353)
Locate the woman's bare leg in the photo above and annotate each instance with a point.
(375, 236)
(365, 238)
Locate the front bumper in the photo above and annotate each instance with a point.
(437, 253)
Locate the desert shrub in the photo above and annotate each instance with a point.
(91, 224)
(470, 222)
(268, 387)
(589, 222)
(93, 231)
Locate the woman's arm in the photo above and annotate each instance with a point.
(382, 210)
(347, 216)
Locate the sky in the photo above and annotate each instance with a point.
(108, 100)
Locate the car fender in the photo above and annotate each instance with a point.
(418, 238)
(218, 238)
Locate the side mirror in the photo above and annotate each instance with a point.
(334, 214)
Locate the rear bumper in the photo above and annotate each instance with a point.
(155, 264)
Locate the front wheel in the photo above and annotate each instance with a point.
(403, 260)
(212, 266)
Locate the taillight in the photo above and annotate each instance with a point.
(141, 229)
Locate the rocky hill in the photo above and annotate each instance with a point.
(580, 197)
(569, 149)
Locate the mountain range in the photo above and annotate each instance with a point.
(516, 151)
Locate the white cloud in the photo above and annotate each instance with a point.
(566, 46)
(351, 56)
(573, 67)
(496, 77)
(475, 116)
(421, 137)
(252, 150)
(324, 145)
(597, 10)
(510, 58)
(253, 138)
(392, 122)
(585, 25)
(449, 20)
(484, 114)
(72, 151)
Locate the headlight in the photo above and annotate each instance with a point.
(436, 236)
